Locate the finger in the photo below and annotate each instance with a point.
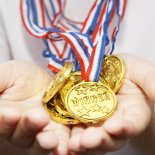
(141, 73)
(21, 76)
(93, 140)
(5, 78)
(96, 138)
(63, 134)
(75, 140)
(30, 124)
(9, 118)
(131, 121)
(44, 143)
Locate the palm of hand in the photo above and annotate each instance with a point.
(131, 118)
(23, 87)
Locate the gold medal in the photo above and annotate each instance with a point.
(90, 102)
(113, 72)
(59, 106)
(75, 101)
(73, 79)
(57, 117)
(57, 82)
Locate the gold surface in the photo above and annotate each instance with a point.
(113, 72)
(57, 117)
(73, 79)
(70, 100)
(59, 106)
(57, 82)
(90, 102)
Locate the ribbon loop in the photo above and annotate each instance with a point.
(84, 43)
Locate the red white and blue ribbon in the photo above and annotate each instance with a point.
(83, 43)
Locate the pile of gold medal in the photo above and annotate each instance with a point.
(70, 100)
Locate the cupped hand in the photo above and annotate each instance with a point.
(25, 128)
(133, 114)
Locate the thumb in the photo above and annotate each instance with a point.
(20, 80)
(142, 73)
(6, 76)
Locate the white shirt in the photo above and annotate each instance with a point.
(136, 35)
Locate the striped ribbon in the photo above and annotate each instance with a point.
(83, 43)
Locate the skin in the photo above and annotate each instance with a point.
(26, 129)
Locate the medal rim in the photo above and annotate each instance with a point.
(123, 72)
(60, 118)
(50, 91)
(58, 107)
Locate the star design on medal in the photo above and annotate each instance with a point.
(81, 90)
(94, 87)
(105, 110)
(84, 111)
(96, 108)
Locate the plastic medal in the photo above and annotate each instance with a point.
(59, 106)
(73, 79)
(57, 82)
(57, 117)
(90, 102)
(113, 72)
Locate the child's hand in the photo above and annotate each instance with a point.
(131, 117)
(25, 128)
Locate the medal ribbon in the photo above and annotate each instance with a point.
(84, 43)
